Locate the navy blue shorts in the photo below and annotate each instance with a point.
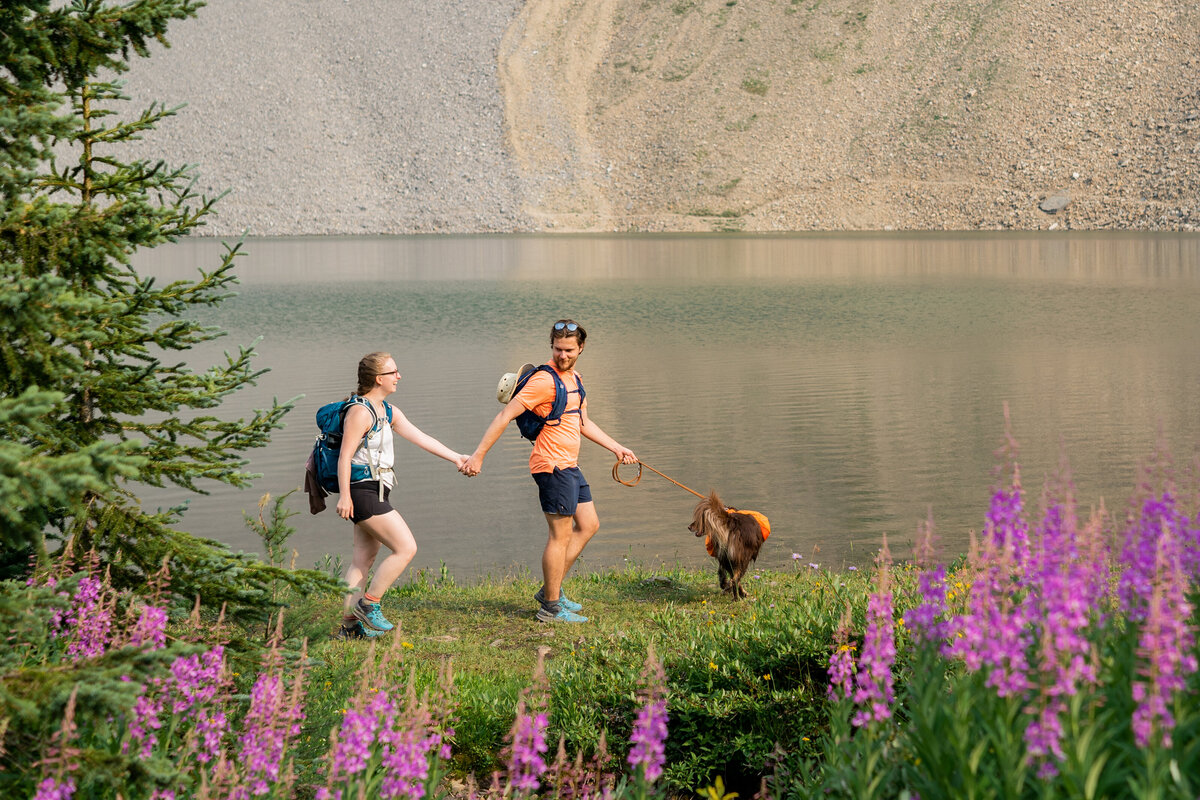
(562, 491)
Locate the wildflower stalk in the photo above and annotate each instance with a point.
(649, 735)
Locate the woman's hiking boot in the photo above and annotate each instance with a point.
(355, 630)
(371, 617)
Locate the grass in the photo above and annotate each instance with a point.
(755, 666)
(755, 86)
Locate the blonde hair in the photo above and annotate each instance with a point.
(369, 367)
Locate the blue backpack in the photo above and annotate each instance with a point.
(529, 423)
(330, 418)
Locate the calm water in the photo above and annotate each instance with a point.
(842, 385)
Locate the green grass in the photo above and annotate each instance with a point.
(755, 86)
(756, 667)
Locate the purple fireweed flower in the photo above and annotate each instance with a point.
(89, 619)
(1159, 518)
(841, 672)
(526, 763)
(1005, 526)
(841, 662)
(1043, 737)
(196, 679)
(143, 723)
(649, 739)
(925, 619)
(1166, 648)
(406, 761)
(873, 682)
(355, 741)
(150, 630)
(51, 789)
(649, 734)
(995, 632)
(210, 732)
(269, 726)
(406, 743)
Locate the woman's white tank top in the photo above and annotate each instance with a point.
(378, 452)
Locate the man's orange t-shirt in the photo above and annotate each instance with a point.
(558, 443)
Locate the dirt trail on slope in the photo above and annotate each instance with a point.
(547, 59)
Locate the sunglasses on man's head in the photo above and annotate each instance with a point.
(570, 326)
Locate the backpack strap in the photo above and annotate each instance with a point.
(372, 459)
(582, 395)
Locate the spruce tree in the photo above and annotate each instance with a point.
(95, 399)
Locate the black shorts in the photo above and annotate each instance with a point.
(365, 496)
(562, 490)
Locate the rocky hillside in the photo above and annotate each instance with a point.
(692, 115)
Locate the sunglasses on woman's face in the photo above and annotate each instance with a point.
(570, 326)
(395, 372)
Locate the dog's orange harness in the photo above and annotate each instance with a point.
(763, 524)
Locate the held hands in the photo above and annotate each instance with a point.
(470, 465)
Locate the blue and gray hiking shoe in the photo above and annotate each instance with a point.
(569, 605)
(356, 630)
(556, 613)
(371, 617)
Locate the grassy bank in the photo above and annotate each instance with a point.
(744, 676)
(1058, 659)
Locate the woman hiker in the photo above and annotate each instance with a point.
(371, 421)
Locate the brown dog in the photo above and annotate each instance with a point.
(732, 537)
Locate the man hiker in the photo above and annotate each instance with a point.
(565, 497)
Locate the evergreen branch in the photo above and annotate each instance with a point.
(199, 567)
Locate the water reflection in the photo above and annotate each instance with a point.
(842, 385)
(1091, 256)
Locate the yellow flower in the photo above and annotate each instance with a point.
(805, 738)
(711, 665)
(406, 644)
(767, 677)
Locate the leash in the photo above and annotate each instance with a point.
(617, 477)
(763, 523)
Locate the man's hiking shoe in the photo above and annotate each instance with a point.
(556, 613)
(371, 617)
(569, 605)
(356, 631)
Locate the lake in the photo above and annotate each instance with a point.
(845, 385)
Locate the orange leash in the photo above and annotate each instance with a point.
(617, 477)
(761, 519)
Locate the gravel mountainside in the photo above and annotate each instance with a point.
(388, 116)
(339, 116)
